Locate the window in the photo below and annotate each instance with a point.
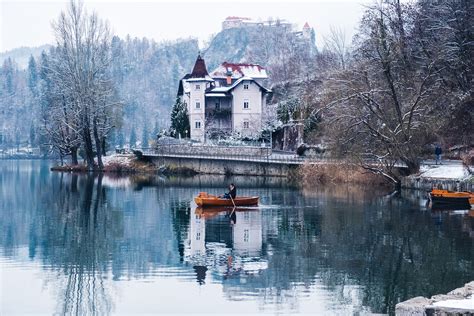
(197, 124)
(246, 124)
(198, 105)
(246, 86)
(246, 104)
(218, 105)
(198, 87)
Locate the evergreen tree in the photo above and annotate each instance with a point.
(32, 135)
(7, 70)
(156, 131)
(112, 139)
(145, 136)
(120, 139)
(32, 76)
(133, 138)
(179, 120)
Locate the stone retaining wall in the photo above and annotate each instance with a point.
(224, 167)
(426, 184)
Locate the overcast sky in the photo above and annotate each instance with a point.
(28, 23)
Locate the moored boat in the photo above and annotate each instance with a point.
(205, 199)
(440, 198)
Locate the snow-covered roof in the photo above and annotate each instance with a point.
(236, 18)
(235, 84)
(254, 71)
(216, 95)
(205, 78)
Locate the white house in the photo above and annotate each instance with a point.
(230, 99)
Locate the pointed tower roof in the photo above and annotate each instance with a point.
(199, 70)
(306, 25)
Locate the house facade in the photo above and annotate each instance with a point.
(230, 99)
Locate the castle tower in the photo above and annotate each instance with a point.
(307, 31)
(199, 80)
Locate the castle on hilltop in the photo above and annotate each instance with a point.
(238, 22)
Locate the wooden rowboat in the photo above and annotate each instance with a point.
(450, 198)
(204, 199)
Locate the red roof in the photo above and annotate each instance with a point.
(199, 70)
(306, 25)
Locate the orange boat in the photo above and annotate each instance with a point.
(445, 197)
(204, 199)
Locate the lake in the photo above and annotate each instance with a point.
(98, 245)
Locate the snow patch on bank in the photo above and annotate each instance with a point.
(467, 303)
(118, 159)
(444, 171)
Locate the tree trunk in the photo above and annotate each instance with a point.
(98, 145)
(88, 148)
(74, 160)
(104, 146)
(413, 165)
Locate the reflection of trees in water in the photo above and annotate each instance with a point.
(371, 254)
(341, 238)
(394, 253)
(79, 248)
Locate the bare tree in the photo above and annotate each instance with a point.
(381, 109)
(80, 71)
(336, 44)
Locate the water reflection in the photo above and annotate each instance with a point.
(326, 250)
(227, 239)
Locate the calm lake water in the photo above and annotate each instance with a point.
(85, 245)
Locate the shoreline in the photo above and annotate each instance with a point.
(457, 302)
(431, 175)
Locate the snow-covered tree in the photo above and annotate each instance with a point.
(83, 104)
(179, 120)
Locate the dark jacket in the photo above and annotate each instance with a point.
(438, 150)
(233, 192)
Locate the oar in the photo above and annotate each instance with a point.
(232, 199)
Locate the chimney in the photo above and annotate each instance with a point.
(229, 76)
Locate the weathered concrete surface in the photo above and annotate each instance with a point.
(426, 184)
(225, 167)
(413, 307)
(420, 306)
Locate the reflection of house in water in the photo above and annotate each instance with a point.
(247, 233)
(197, 234)
(221, 242)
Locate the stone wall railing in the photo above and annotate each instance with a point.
(200, 150)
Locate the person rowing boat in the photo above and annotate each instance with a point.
(231, 194)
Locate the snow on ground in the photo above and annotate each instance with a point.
(447, 170)
(467, 303)
(123, 160)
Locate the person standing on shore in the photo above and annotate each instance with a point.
(438, 152)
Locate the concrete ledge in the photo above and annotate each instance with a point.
(420, 306)
(422, 183)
